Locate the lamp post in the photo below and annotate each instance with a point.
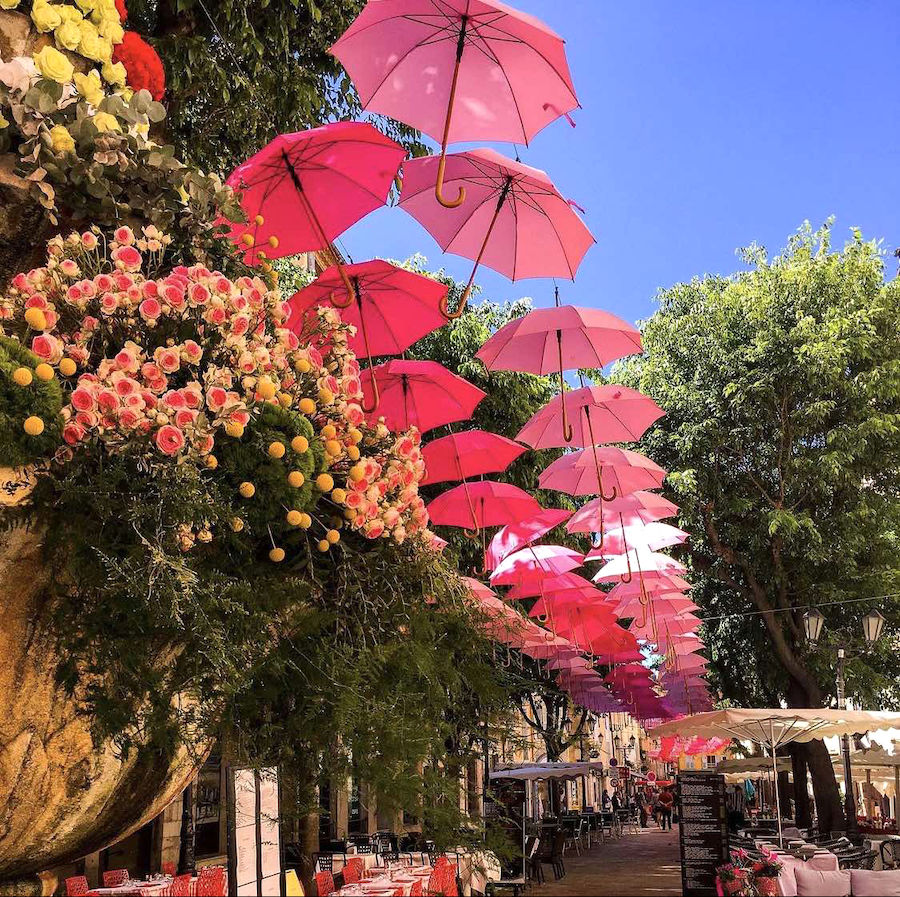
(873, 625)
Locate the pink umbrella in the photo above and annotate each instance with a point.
(475, 506)
(535, 564)
(551, 584)
(598, 414)
(679, 625)
(390, 307)
(641, 559)
(421, 394)
(669, 604)
(510, 77)
(567, 598)
(594, 470)
(515, 536)
(548, 340)
(467, 454)
(303, 190)
(653, 535)
(536, 231)
(650, 583)
(639, 507)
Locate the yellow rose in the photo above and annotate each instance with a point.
(112, 30)
(45, 17)
(9, 4)
(104, 9)
(92, 45)
(106, 122)
(62, 139)
(69, 13)
(114, 73)
(68, 35)
(4, 123)
(53, 65)
(85, 5)
(126, 93)
(89, 86)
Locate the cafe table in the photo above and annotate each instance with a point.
(158, 887)
(388, 882)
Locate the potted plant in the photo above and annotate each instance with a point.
(733, 879)
(765, 874)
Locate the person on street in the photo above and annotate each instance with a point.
(666, 800)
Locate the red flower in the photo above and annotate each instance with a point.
(120, 8)
(142, 64)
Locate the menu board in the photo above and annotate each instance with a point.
(703, 834)
(254, 832)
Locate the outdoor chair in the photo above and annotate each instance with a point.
(324, 884)
(890, 853)
(570, 836)
(181, 886)
(863, 859)
(389, 856)
(324, 862)
(552, 854)
(384, 842)
(353, 870)
(213, 882)
(114, 878)
(168, 869)
(76, 886)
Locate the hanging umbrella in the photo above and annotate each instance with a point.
(666, 605)
(600, 469)
(513, 220)
(598, 414)
(650, 583)
(467, 454)
(645, 561)
(517, 535)
(554, 602)
(458, 70)
(421, 394)
(654, 536)
(535, 564)
(550, 584)
(680, 625)
(303, 190)
(639, 507)
(475, 506)
(389, 306)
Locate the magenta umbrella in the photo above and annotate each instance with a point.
(551, 584)
(594, 470)
(421, 394)
(675, 625)
(649, 583)
(303, 190)
(638, 507)
(535, 564)
(515, 536)
(666, 604)
(467, 454)
(458, 70)
(513, 220)
(475, 506)
(597, 414)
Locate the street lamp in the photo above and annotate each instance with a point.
(873, 624)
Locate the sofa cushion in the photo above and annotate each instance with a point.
(813, 883)
(864, 883)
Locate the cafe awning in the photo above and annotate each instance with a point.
(538, 772)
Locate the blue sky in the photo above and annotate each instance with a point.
(705, 126)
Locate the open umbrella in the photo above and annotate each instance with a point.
(601, 469)
(644, 560)
(639, 507)
(475, 506)
(421, 394)
(390, 307)
(535, 564)
(550, 584)
(514, 220)
(597, 413)
(467, 454)
(654, 535)
(302, 190)
(650, 583)
(458, 70)
(517, 535)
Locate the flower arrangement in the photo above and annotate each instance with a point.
(186, 366)
(764, 875)
(734, 877)
(143, 67)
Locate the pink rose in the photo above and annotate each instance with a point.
(150, 289)
(46, 347)
(124, 235)
(240, 417)
(89, 323)
(127, 257)
(104, 282)
(107, 400)
(36, 301)
(373, 529)
(88, 240)
(109, 302)
(168, 359)
(174, 295)
(69, 268)
(185, 417)
(169, 439)
(223, 285)
(126, 361)
(150, 309)
(82, 400)
(150, 371)
(204, 444)
(240, 325)
(87, 419)
(199, 294)
(174, 399)
(193, 352)
(215, 315)
(127, 417)
(73, 432)
(135, 400)
(125, 386)
(123, 281)
(354, 500)
(216, 398)
(74, 293)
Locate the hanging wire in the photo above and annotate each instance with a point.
(783, 610)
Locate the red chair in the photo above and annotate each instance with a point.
(436, 881)
(181, 886)
(168, 869)
(353, 870)
(114, 878)
(324, 883)
(76, 886)
(399, 892)
(450, 888)
(416, 889)
(212, 882)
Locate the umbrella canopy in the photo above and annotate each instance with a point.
(421, 394)
(639, 507)
(539, 772)
(551, 584)
(517, 535)
(654, 536)
(536, 563)
(303, 190)
(650, 583)
(600, 470)
(678, 625)
(639, 560)
(513, 219)
(665, 605)
(467, 454)
(475, 506)
(598, 414)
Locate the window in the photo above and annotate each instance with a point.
(357, 822)
(209, 833)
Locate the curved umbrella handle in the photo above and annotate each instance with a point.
(630, 576)
(612, 497)
(376, 398)
(439, 186)
(445, 308)
(357, 295)
(568, 431)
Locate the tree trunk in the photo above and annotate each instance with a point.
(801, 786)
(785, 794)
(825, 788)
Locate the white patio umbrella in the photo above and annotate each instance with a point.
(774, 728)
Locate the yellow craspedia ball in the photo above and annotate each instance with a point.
(34, 426)
(353, 452)
(259, 220)
(22, 377)
(302, 366)
(247, 239)
(306, 522)
(35, 319)
(296, 479)
(285, 399)
(294, 518)
(300, 444)
(324, 482)
(357, 472)
(339, 496)
(212, 462)
(43, 371)
(273, 241)
(307, 406)
(326, 396)
(237, 524)
(333, 536)
(324, 545)
(276, 555)
(350, 514)
(333, 447)
(248, 490)
(276, 449)
(328, 431)
(233, 428)
(356, 435)
(67, 367)
(266, 388)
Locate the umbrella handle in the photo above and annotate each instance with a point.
(376, 397)
(630, 577)
(439, 184)
(612, 497)
(348, 286)
(355, 294)
(568, 431)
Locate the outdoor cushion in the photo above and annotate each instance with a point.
(864, 883)
(813, 883)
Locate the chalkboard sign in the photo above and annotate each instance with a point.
(703, 835)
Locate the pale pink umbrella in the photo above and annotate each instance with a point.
(599, 468)
(535, 564)
(513, 220)
(302, 190)
(458, 70)
(651, 583)
(551, 584)
(597, 413)
(389, 306)
(517, 535)
(639, 507)
(467, 454)
(644, 560)
(667, 604)
(421, 394)
(566, 598)
(654, 535)
(679, 625)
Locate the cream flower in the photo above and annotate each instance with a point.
(92, 45)
(89, 86)
(45, 17)
(69, 13)
(52, 64)
(111, 30)
(114, 73)
(9, 4)
(62, 139)
(105, 122)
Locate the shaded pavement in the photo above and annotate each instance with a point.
(647, 863)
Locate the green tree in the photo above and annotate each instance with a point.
(781, 386)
